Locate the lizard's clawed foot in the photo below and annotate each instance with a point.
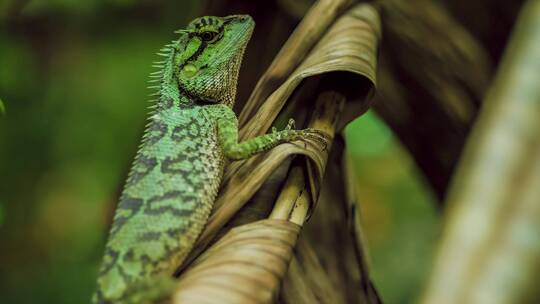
(318, 137)
(312, 136)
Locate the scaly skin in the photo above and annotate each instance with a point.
(177, 172)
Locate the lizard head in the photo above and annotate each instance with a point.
(208, 54)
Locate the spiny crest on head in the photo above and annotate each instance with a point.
(156, 78)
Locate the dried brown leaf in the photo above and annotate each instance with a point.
(307, 281)
(350, 46)
(245, 266)
(314, 24)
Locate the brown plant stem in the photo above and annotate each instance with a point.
(490, 249)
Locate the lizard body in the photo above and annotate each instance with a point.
(176, 174)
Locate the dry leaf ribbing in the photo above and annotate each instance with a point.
(244, 266)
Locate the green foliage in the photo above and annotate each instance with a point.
(2, 214)
(398, 212)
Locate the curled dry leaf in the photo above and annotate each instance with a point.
(310, 30)
(307, 281)
(350, 46)
(245, 266)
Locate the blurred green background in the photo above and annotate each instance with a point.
(73, 80)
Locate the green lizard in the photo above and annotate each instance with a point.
(176, 174)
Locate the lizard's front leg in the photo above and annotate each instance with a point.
(227, 130)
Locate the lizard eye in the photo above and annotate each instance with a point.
(208, 36)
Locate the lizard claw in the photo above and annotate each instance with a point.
(312, 136)
(319, 137)
(289, 127)
(290, 124)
